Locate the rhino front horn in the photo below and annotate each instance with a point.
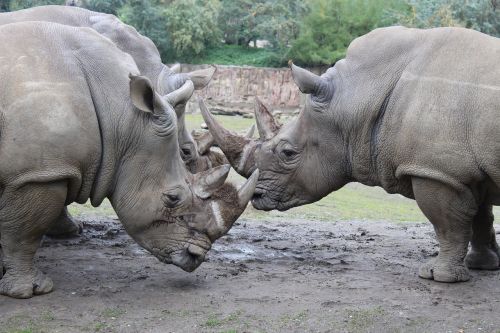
(246, 191)
(266, 125)
(238, 149)
(210, 180)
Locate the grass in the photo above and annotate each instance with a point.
(214, 320)
(359, 320)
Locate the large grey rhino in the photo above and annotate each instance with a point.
(148, 60)
(416, 112)
(74, 127)
(127, 39)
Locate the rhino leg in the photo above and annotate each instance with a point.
(451, 212)
(484, 252)
(65, 226)
(22, 228)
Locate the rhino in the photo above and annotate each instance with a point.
(79, 122)
(148, 60)
(416, 112)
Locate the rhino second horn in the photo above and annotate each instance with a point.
(201, 77)
(204, 142)
(266, 124)
(250, 132)
(182, 94)
(176, 68)
(208, 181)
(246, 191)
(308, 82)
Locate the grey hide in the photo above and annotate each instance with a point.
(78, 122)
(142, 50)
(416, 112)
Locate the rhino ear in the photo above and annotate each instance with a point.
(310, 83)
(143, 95)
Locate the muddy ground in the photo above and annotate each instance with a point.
(265, 276)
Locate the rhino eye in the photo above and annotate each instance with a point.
(289, 153)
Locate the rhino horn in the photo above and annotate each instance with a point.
(231, 204)
(266, 124)
(176, 68)
(246, 191)
(250, 132)
(238, 149)
(202, 77)
(204, 142)
(206, 182)
(182, 94)
(308, 82)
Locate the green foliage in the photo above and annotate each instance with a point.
(22, 4)
(104, 6)
(481, 15)
(192, 26)
(276, 21)
(235, 55)
(311, 32)
(332, 24)
(148, 17)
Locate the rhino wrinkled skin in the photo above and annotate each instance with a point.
(78, 122)
(416, 112)
(147, 59)
(141, 48)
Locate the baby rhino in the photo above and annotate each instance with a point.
(78, 122)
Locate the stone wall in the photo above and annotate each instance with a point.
(233, 88)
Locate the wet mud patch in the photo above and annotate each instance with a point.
(264, 276)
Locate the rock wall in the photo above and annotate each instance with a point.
(233, 88)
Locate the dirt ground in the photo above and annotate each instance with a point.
(265, 276)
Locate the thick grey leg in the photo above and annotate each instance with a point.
(451, 212)
(65, 226)
(484, 252)
(22, 226)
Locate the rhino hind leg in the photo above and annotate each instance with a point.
(451, 212)
(484, 252)
(65, 226)
(22, 228)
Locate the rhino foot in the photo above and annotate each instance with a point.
(25, 287)
(65, 226)
(486, 258)
(434, 270)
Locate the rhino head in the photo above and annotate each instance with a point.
(170, 212)
(169, 81)
(299, 162)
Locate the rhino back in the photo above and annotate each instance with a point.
(126, 37)
(442, 117)
(51, 128)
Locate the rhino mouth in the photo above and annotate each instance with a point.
(188, 258)
(264, 199)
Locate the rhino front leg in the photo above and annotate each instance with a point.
(451, 212)
(484, 252)
(65, 226)
(21, 229)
